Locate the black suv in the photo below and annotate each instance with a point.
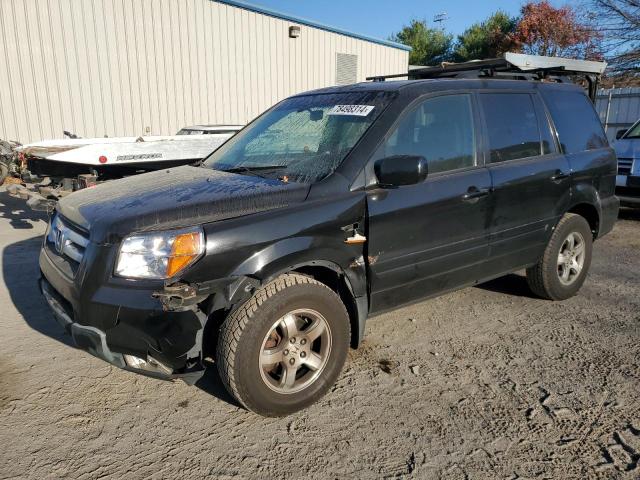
(332, 206)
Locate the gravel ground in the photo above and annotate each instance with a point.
(483, 383)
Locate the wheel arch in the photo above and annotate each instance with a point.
(328, 272)
(341, 282)
(333, 277)
(586, 202)
(590, 213)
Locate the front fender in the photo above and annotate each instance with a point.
(292, 253)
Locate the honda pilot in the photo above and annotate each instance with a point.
(331, 207)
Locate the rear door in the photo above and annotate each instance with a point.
(531, 178)
(584, 143)
(430, 237)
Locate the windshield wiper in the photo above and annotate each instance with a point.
(254, 170)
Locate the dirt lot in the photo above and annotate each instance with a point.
(483, 383)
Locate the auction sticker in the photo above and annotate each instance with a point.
(357, 110)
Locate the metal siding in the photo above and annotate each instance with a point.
(618, 108)
(115, 67)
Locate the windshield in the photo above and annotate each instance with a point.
(634, 132)
(302, 139)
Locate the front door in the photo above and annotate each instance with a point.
(431, 237)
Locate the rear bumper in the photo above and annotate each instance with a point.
(609, 209)
(145, 340)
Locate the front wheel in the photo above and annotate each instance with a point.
(566, 260)
(284, 348)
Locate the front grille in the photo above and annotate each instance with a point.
(624, 166)
(66, 242)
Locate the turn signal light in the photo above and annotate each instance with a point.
(187, 247)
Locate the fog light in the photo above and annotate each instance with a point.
(149, 365)
(135, 362)
(157, 366)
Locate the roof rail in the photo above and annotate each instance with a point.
(515, 66)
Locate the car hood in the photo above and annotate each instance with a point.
(627, 148)
(174, 198)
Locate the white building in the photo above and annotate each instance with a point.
(129, 67)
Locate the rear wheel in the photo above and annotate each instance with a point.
(566, 260)
(284, 348)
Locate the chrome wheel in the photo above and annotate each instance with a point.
(295, 351)
(571, 258)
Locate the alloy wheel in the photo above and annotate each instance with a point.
(295, 351)
(571, 258)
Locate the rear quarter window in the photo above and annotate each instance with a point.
(579, 128)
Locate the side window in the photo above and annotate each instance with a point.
(440, 129)
(578, 125)
(512, 125)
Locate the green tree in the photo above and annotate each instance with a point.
(488, 39)
(430, 46)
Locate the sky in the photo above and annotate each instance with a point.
(381, 18)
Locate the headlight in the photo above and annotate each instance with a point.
(159, 255)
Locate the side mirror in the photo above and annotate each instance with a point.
(620, 133)
(400, 170)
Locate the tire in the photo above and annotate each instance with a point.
(264, 341)
(558, 278)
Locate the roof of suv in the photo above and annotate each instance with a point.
(420, 86)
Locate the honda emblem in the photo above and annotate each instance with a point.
(59, 240)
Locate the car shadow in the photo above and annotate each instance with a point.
(19, 214)
(20, 271)
(212, 384)
(512, 284)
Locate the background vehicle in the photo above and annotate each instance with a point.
(55, 168)
(210, 130)
(627, 148)
(332, 206)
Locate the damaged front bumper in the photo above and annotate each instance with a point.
(127, 328)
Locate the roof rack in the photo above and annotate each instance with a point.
(515, 66)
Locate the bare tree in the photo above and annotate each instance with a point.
(619, 22)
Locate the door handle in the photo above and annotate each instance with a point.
(559, 176)
(475, 193)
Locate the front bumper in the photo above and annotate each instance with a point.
(126, 327)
